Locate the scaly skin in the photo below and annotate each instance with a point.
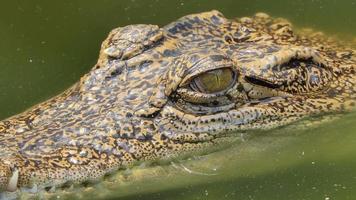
(136, 103)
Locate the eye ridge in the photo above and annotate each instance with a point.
(214, 81)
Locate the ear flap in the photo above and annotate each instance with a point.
(126, 42)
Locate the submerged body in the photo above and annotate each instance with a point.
(157, 93)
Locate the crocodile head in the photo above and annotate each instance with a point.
(157, 93)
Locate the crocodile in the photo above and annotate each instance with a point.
(160, 93)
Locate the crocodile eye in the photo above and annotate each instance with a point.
(214, 81)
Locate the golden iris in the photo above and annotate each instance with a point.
(214, 81)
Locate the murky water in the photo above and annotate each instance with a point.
(47, 45)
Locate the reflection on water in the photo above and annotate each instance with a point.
(48, 45)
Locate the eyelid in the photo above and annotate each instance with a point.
(198, 97)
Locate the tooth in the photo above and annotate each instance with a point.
(12, 185)
(53, 189)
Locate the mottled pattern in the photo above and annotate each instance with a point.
(136, 103)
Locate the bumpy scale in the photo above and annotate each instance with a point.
(158, 93)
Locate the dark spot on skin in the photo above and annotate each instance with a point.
(155, 56)
(332, 93)
(271, 49)
(228, 39)
(194, 58)
(180, 27)
(215, 103)
(217, 57)
(131, 97)
(137, 129)
(163, 137)
(114, 73)
(237, 34)
(246, 60)
(144, 64)
(171, 53)
(196, 20)
(240, 88)
(188, 25)
(148, 137)
(173, 30)
(240, 40)
(185, 34)
(314, 79)
(215, 20)
(141, 138)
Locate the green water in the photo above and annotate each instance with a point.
(47, 45)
